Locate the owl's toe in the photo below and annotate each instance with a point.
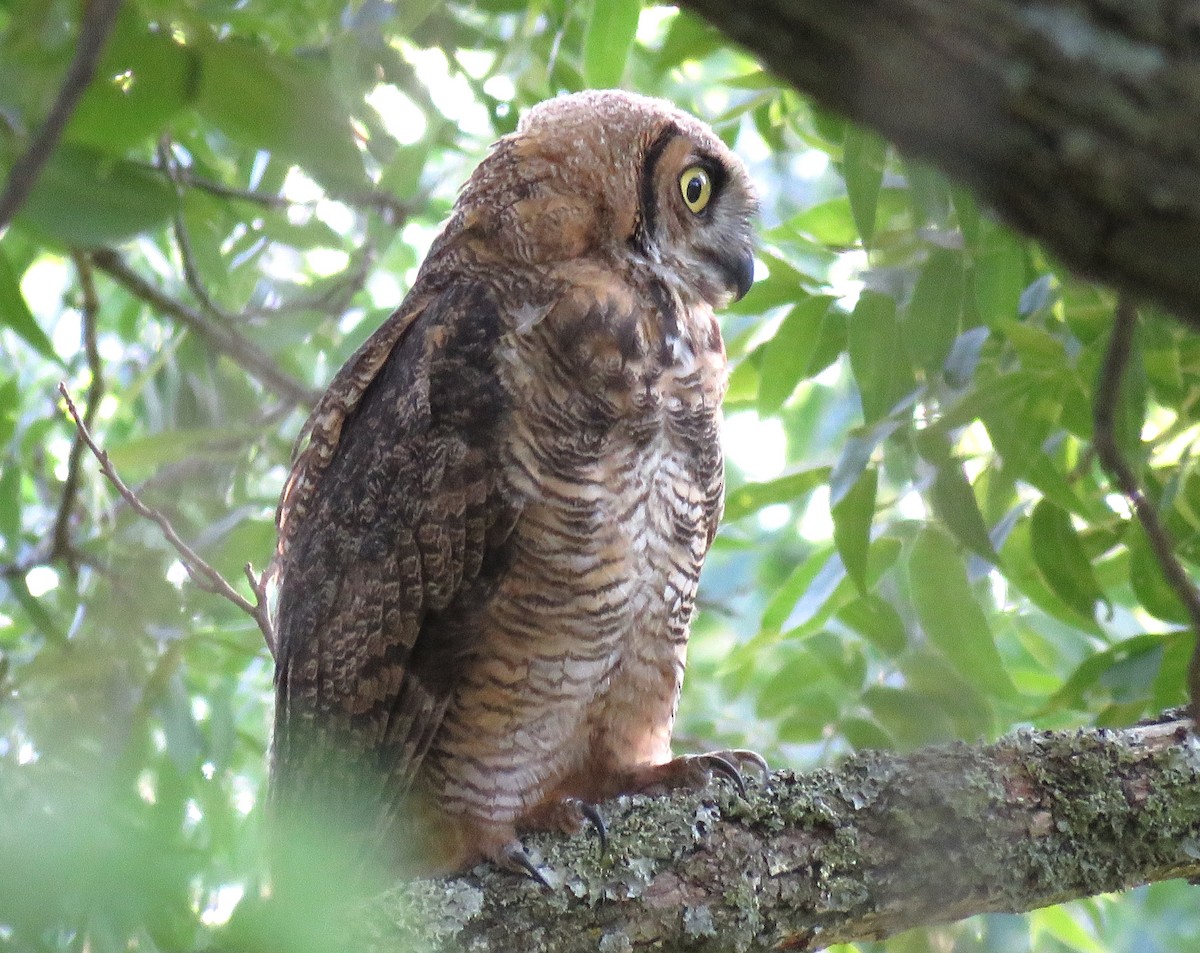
(515, 858)
(696, 770)
(590, 813)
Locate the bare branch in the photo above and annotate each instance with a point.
(62, 547)
(200, 572)
(237, 347)
(98, 19)
(1104, 440)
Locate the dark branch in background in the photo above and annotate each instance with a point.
(882, 843)
(1108, 399)
(1077, 120)
(239, 349)
(333, 298)
(200, 572)
(62, 547)
(183, 239)
(98, 19)
(394, 212)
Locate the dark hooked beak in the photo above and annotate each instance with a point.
(740, 272)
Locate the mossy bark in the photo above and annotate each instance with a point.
(880, 844)
(1078, 120)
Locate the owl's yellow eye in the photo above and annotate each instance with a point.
(696, 187)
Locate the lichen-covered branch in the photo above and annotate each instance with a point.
(880, 844)
(1079, 120)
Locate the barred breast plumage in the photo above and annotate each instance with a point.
(490, 545)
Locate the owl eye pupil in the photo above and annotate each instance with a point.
(696, 188)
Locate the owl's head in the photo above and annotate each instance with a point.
(623, 177)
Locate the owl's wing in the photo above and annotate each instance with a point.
(392, 528)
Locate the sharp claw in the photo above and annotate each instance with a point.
(592, 813)
(719, 764)
(745, 756)
(515, 858)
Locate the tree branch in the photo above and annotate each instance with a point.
(1078, 120)
(99, 16)
(62, 547)
(200, 572)
(1104, 441)
(878, 845)
(238, 348)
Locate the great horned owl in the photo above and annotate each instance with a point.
(489, 546)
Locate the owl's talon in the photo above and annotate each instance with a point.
(744, 756)
(515, 858)
(717, 763)
(592, 814)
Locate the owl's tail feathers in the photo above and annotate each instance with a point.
(328, 845)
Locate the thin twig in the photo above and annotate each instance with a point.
(1108, 396)
(183, 238)
(62, 547)
(238, 348)
(201, 573)
(98, 19)
(333, 298)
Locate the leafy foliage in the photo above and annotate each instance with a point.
(918, 547)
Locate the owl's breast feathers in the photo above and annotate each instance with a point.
(489, 546)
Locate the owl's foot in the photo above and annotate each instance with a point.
(513, 857)
(569, 815)
(696, 770)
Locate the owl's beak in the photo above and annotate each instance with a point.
(740, 272)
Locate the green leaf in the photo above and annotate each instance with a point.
(1061, 559)
(607, 41)
(856, 454)
(878, 356)
(950, 615)
(877, 621)
(10, 406)
(832, 223)
(83, 198)
(999, 275)
(910, 717)
(41, 619)
(786, 356)
(169, 446)
(864, 734)
(955, 504)
(15, 313)
(934, 314)
(1149, 585)
(927, 672)
(852, 518)
(280, 104)
(830, 588)
(144, 79)
(1020, 568)
(801, 584)
(752, 497)
(10, 502)
(1129, 666)
(863, 160)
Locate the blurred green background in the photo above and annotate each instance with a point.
(918, 544)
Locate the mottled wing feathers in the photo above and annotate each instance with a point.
(391, 531)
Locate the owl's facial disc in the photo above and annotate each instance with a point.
(696, 205)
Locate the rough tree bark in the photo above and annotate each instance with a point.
(878, 845)
(1078, 120)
